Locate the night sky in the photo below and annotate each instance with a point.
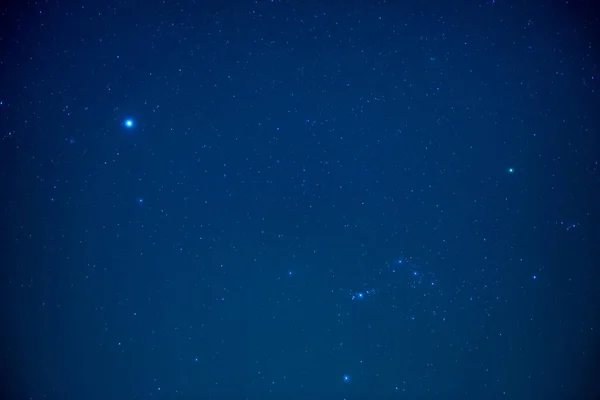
(299, 200)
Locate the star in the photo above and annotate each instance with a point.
(128, 123)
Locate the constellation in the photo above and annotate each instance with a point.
(403, 271)
(401, 286)
(399, 290)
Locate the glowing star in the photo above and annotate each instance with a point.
(128, 123)
(511, 170)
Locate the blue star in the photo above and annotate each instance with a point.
(128, 123)
(346, 378)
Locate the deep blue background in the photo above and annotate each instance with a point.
(315, 201)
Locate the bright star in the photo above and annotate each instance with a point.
(128, 123)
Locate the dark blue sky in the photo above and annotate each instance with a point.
(299, 200)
